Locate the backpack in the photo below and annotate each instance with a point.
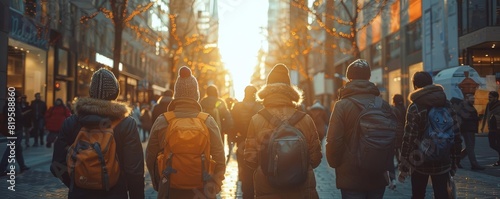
(91, 159)
(438, 137)
(372, 140)
(284, 156)
(185, 161)
(244, 115)
(214, 112)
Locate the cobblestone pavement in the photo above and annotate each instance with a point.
(39, 182)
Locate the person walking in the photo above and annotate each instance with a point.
(38, 112)
(430, 120)
(242, 113)
(162, 105)
(147, 122)
(358, 177)
(54, 118)
(101, 111)
(320, 117)
(492, 116)
(19, 157)
(27, 123)
(185, 109)
(399, 109)
(217, 108)
(469, 125)
(280, 99)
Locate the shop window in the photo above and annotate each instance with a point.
(393, 46)
(15, 69)
(63, 62)
(414, 37)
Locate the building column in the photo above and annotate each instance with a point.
(4, 48)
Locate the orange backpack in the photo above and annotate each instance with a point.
(185, 161)
(92, 160)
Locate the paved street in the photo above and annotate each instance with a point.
(39, 182)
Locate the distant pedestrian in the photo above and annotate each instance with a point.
(290, 172)
(469, 125)
(217, 108)
(94, 118)
(136, 114)
(69, 105)
(242, 115)
(185, 155)
(430, 120)
(147, 122)
(162, 105)
(399, 109)
(18, 151)
(38, 112)
(492, 116)
(361, 164)
(27, 123)
(54, 118)
(321, 117)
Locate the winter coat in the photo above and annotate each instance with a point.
(160, 108)
(39, 108)
(242, 114)
(468, 117)
(55, 117)
(146, 120)
(492, 110)
(342, 123)
(183, 107)
(208, 103)
(422, 100)
(400, 111)
(89, 113)
(279, 100)
(320, 118)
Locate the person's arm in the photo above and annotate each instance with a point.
(133, 159)
(411, 132)
(251, 145)
(153, 148)
(314, 145)
(58, 167)
(217, 153)
(335, 146)
(457, 147)
(485, 116)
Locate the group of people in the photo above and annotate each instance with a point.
(278, 142)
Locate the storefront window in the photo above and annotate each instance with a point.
(84, 75)
(414, 37)
(63, 62)
(15, 68)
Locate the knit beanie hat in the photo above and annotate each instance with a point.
(279, 74)
(186, 85)
(421, 79)
(104, 85)
(358, 69)
(212, 91)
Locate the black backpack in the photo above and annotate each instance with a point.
(372, 141)
(284, 156)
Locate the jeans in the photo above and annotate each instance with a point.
(470, 142)
(18, 153)
(374, 194)
(440, 184)
(494, 139)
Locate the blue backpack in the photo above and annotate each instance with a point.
(438, 137)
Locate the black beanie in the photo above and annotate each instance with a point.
(279, 74)
(359, 69)
(421, 79)
(104, 85)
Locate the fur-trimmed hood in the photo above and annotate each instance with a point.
(431, 95)
(109, 109)
(280, 94)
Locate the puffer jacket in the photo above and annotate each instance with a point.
(421, 100)
(55, 116)
(183, 107)
(279, 100)
(90, 113)
(342, 122)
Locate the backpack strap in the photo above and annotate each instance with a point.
(202, 116)
(269, 117)
(169, 116)
(296, 117)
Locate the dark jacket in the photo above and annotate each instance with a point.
(278, 100)
(492, 110)
(38, 109)
(208, 103)
(160, 108)
(242, 113)
(421, 100)
(400, 112)
(468, 117)
(90, 112)
(342, 122)
(320, 117)
(183, 108)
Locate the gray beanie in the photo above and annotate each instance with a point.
(186, 85)
(104, 85)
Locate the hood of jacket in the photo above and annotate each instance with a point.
(431, 95)
(91, 111)
(209, 102)
(184, 104)
(165, 100)
(280, 94)
(357, 87)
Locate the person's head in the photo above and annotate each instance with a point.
(358, 69)
(278, 83)
(469, 98)
(58, 102)
(279, 74)
(492, 96)
(37, 96)
(212, 91)
(186, 85)
(250, 92)
(421, 79)
(23, 98)
(103, 85)
(397, 99)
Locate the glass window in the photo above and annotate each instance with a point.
(393, 46)
(414, 37)
(15, 68)
(63, 62)
(17, 4)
